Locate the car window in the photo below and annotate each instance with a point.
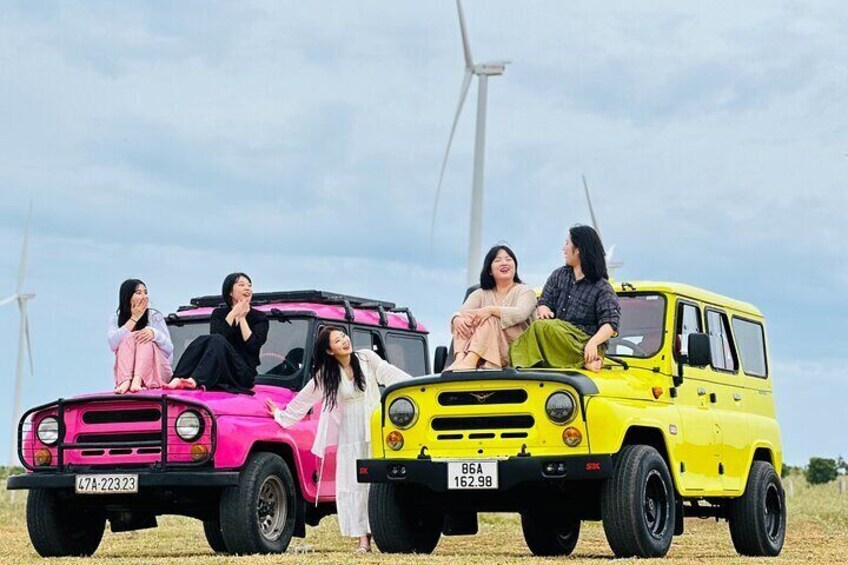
(688, 322)
(750, 339)
(721, 341)
(640, 332)
(407, 353)
(368, 339)
(284, 350)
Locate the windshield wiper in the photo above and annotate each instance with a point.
(618, 360)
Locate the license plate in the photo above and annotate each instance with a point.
(464, 475)
(106, 484)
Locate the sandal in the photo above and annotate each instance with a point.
(362, 549)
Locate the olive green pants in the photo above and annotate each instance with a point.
(549, 343)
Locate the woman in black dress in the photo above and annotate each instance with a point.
(227, 358)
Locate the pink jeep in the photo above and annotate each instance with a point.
(214, 456)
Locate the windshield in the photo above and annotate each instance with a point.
(640, 332)
(281, 355)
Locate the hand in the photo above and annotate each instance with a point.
(144, 336)
(272, 406)
(463, 325)
(241, 309)
(483, 314)
(544, 313)
(590, 353)
(138, 307)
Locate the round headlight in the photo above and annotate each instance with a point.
(402, 412)
(189, 425)
(48, 430)
(560, 407)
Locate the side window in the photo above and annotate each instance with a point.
(407, 352)
(750, 338)
(688, 321)
(721, 341)
(367, 339)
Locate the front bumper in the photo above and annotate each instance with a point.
(512, 472)
(146, 479)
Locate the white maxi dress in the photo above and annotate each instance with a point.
(351, 495)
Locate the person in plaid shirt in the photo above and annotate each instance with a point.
(577, 313)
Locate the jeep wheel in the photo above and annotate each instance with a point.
(758, 518)
(58, 530)
(398, 524)
(548, 534)
(637, 504)
(212, 529)
(258, 515)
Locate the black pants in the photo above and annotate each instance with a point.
(215, 364)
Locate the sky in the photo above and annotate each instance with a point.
(301, 143)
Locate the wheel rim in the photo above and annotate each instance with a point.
(773, 512)
(271, 508)
(655, 506)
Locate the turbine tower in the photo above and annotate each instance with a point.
(482, 71)
(23, 340)
(611, 265)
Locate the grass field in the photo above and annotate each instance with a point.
(818, 533)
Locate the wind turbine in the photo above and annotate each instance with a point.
(611, 265)
(482, 71)
(23, 339)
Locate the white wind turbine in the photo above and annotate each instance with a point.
(482, 71)
(611, 265)
(23, 340)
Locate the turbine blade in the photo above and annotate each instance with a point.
(466, 83)
(466, 46)
(28, 342)
(591, 210)
(7, 300)
(610, 253)
(22, 270)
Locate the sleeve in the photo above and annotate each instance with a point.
(161, 335)
(258, 334)
(218, 323)
(114, 334)
(525, 304)
(474, 301)
(551, 290)
(385, 373)
(299, 405)
(607, 308)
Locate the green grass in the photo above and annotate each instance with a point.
(818, 533)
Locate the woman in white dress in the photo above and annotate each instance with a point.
(348, 384)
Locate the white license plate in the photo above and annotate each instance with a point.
(106, 484)
(463, 475)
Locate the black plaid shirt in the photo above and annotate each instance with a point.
(588, 305)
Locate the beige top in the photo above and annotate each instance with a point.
(517, 309)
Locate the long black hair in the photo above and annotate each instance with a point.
(326, 371)
(592, 256)
(124, 311)
(229, 282)
(487, 279)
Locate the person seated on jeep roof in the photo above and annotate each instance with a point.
(139, 338)
(227, 358)
(578, 310)
(493, 315)
(348, 384)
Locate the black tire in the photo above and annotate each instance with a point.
(258, 515)
(637, 504)
(757, 519)
(56, 529)
(548, 533)
(398, 524)
(212, 529)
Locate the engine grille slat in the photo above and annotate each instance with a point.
(482, 397)
(455, 423)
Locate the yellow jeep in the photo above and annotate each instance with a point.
(680, 422)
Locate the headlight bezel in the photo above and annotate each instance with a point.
(201, 425)
(51, 419)
(415, 412)
(573, 413)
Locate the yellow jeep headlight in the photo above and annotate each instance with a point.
(561, 407)
(403, 412)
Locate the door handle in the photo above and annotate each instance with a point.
(701, 391)
(737, 396)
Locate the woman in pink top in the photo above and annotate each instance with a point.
(140, 340)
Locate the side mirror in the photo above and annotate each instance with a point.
(700, 353)
(440, 359)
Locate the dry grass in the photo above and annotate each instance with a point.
(818, 533)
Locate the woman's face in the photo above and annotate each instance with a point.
(503, 267)
(571, 253)
(139, 294)
(243, 289)
(339, 344)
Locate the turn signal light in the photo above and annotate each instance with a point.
(657, 391)
(572, 436)
(199, 452)
(395, 440)
(43, 457)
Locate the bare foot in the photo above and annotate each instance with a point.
(136, 385)
(123, 387)
(174, 384)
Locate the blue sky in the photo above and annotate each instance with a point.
(301, 142)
